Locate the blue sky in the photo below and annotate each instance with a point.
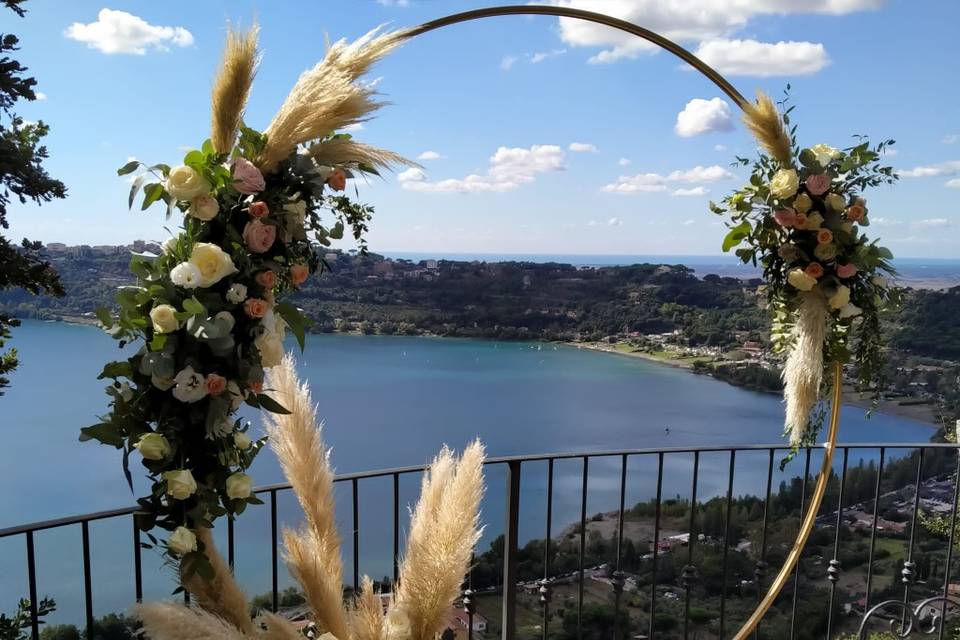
(574, 136)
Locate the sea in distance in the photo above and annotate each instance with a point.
(385, 402)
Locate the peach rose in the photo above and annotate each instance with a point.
(785, 217)
(824, 236)
(256, 386)
(299, 273)
(337, 180)
(256, 307)
(267, 279)
(818, 184)
(258, 209)
(258, 236)
(846, 270)
(247, 178)
(855, 212)
(216, 384)
(800, 221)
(814, 270)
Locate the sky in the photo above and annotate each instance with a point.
(535, 134)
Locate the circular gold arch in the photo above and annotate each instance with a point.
(724, 85)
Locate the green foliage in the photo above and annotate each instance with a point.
(17, 626)
(21, 174)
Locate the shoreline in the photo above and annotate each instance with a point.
(920, 412)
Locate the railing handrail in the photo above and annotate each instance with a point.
(53, 523)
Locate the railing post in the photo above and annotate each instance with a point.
(510, 551)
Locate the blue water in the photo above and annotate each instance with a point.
(386, 402)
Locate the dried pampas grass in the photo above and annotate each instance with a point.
(441, 540)
(170, 621)
(328, 97)
(342, 151)
(231, 87)
(803, 371)
(220, 596)
(766, 124)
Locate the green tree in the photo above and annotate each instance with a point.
(16, 627)
(21, 176)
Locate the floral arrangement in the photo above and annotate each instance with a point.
(257, 208)
(444, 528)
(802, 217)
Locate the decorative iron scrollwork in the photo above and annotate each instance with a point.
(911, 619)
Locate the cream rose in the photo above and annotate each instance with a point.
(800, 280)
(242, 441)
(164, 318)
(153, 446)
(182, 541)
(802, 203)
(825, 252)
(825, 154)
(850, 310)
(239, 486)
(814, 220)
(185, 275)
(841, 298)
(270, 346)
(835, 202)
(784, 183)
(185, 184)
(180, 483)
(190, 386)
(212, 262)
(204, 208)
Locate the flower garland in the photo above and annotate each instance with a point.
(802, 218)
(208, 309)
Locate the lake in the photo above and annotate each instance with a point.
(386, 402)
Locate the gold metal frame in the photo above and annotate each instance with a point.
(830, 444)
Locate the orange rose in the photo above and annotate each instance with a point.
(256, 307)
(800, 221)
(258, 209)
(855, 212)
(267, 279)
(256, 386)
(337, 180)
(216, 384)
(299, 273)
(814, 270)
(824, 236)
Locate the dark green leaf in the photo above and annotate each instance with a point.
(130, 167)
(151, 193)
(271, 405)
(105, 432)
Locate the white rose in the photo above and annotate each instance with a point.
(237, 293)
(204, 208)
(825, 154)
(835, 202)
(182, 541)
(801, 280)
(185, 184)
(185, 275)
(126, 392)
(396, 624)
(825, 252)
(242, 441)
(880, 281)
(298, 209)
(784, 183)
(850, 310)
(180, 483)
(802, 203)
(190, 386)
(270, 346)
(162, 383)
(153, 446)
(814, 221)
(164, 318)
(212, 262)
(841, 298)
(168, 245)
(239, 486)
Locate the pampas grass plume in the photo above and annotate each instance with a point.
(231, 87)
(803, 371)
(766, 124)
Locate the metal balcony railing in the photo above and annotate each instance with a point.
(647, 596)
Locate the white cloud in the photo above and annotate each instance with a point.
(688, 21)
(695, 191)
(122, 32)
(889, 152)
(702, 116)
(933, 223)
(656, 183)
(763, 59)
(540, 56)
(582, 147)
(593, 223)
(356, 126)
(949, 168)
(615, 222)
(623, 162)
(509, 168)
(689, 223)
(507, 62)
(719, 147)
(951, 138)
(429, 155)
(40, 95)
(954, 183)
(394, 3)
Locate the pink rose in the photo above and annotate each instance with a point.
(256, 386)
(824, 236)
(258, 236)
(216, 384)
(299, 273)
(785, 217)
(846, 270)
(814, 270)
(337, 180)
(818, 184)
(856, 212)
(267, 279)
(256, 307)
(246, 177)
(258, 209)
